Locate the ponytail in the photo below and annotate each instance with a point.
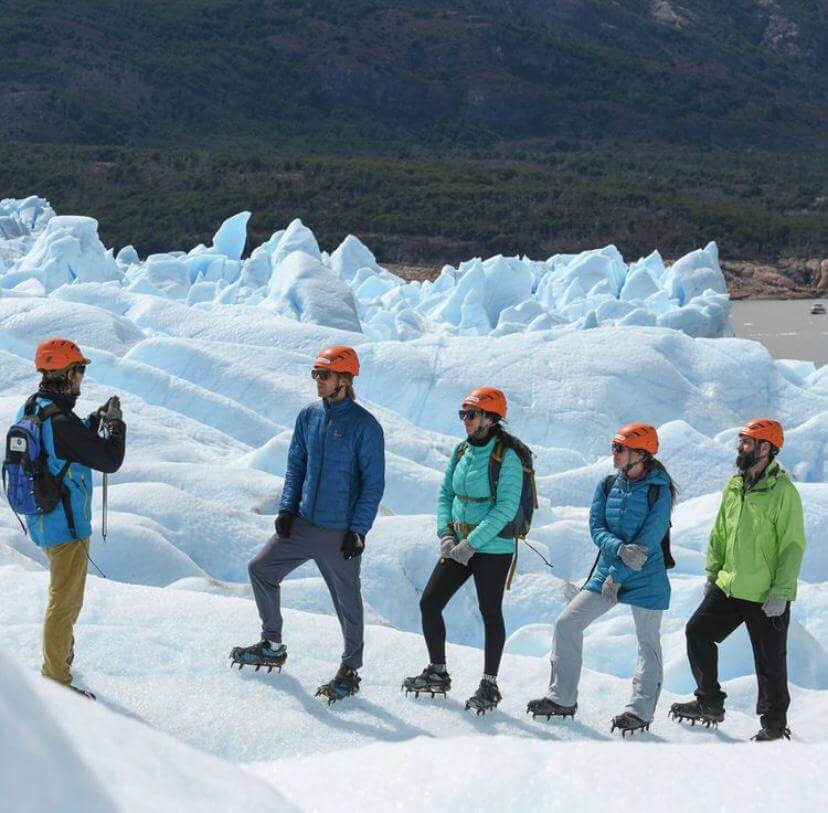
(348, 380)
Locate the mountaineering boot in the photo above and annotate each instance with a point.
(485, 698)
(262, 654)
(83, 692)
(344, 684)
(544, 707)
(769, 734)
(429, 681)
(697, 712)
(629, 722)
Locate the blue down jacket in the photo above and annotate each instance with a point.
(624, 517)
(336, 466)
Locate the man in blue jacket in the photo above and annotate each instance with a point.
(333, 485)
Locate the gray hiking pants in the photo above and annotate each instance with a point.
(567, 653)
(281, 556)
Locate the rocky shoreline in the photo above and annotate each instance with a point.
(788, 278)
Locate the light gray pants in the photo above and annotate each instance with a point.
(568, 645)
(281, 556)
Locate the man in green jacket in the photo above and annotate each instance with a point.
(753, 561)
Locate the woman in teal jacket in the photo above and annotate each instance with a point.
(629, 519)
(470, 519)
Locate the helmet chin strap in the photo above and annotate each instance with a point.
(630, 465)
(335, 393)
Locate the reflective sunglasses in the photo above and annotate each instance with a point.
(322, 375)
(469, 414)
(617, 448)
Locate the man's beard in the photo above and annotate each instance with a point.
(744, 460)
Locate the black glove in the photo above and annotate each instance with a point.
(106, 412)
(352, 545)
(113, 410)
(283, 522)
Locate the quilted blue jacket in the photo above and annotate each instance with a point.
(336, 466)
(624, 517)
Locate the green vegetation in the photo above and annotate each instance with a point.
(434, 130)
(388, 76)
(443, 210)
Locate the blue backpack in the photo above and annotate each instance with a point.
(29, 486)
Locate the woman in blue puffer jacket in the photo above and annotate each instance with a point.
(629, 518)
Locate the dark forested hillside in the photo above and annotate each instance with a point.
(463, 73)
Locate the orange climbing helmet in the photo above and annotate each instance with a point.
(638, 436)
(55, 355)
(764, 429)
(338, 359)
(489, 399)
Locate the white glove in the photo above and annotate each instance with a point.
(633, 556)
(447, 542)
(774, 606)
(609, 592)
(710, 584)
(462, 552)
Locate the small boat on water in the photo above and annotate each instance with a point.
(817, 309)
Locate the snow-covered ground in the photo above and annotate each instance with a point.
(210, 354)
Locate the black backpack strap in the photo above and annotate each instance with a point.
(65, 497)
(48, 412)
(609, 483)
(30, 407)
(652, 496)
(495, 464)
(66, 502)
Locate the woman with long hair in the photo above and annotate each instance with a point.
(472, 513)
(629, 520)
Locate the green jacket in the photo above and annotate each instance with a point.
(758, 539)
(469, 477)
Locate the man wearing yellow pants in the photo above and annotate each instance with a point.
(67, 566)
(71, 448)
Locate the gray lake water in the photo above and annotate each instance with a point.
(785, 326)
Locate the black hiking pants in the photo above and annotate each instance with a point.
(718, 616)
(489, 571)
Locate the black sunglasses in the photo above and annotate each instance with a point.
(80, 367)
(617, 447)
(322, 375)
(469, 414)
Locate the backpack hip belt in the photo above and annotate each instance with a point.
(464, 498)
(462, 528)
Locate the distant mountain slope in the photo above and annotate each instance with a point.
(384, 73)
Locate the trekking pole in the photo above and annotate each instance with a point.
(105, 494)
(105, 490)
